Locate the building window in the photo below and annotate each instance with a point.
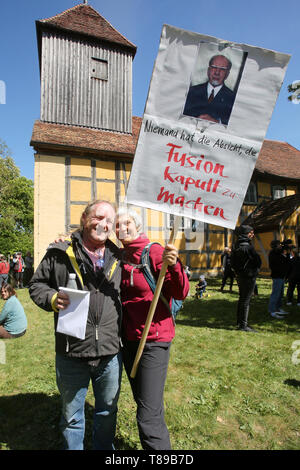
(99, 69)
(278, 192)
(251, 194)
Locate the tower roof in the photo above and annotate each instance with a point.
(85, 20)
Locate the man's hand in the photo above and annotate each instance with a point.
(207, 117)
(62, 301)
(170, 255)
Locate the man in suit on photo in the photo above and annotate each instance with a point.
(212, 100)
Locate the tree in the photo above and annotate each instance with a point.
(294, 88)
(16, 206)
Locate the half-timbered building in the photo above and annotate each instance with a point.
(86, 136)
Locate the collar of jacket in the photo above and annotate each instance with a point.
(67, 247)
(243, 240)
(113, 254)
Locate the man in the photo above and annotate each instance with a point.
(18, 268)
(28, 271)
(279, 264)
(212, 100)
(246, 264)
(96, 262)
(226, 266)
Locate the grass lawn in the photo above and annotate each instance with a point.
(226, 389)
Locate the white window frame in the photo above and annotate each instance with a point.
(185, 222)
(278, 191)
(99, 68)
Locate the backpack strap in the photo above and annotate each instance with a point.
(134, 266)
(146, 268)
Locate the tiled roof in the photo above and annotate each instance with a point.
(61, 136)
(83, 19)
(275, 158)
(280, 159)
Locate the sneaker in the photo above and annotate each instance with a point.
(282, 312)
(277, 315)
(289, 303)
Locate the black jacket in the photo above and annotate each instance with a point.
(104, 316)
(294, 271)
(245, 261)
(219, 108)
(279, 264)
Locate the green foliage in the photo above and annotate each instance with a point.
(16, 206)
(294, 88)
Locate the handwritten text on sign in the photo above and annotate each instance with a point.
(194, 171)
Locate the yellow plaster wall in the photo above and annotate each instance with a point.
(80, 190)
(76, 211)
(105, 170)
(290, 190)
(263, 189)
(49, 202)
(106, 191)
(80, 167)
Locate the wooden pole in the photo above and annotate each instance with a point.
(153, 305)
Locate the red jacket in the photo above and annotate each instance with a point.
(136, 299)
(4, 267)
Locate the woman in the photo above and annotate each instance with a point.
(136, 295)
(13, 321)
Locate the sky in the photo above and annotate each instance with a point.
(270, 24)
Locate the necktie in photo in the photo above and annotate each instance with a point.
(211, 96)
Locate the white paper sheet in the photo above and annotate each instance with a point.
(72, 320)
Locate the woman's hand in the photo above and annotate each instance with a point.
(170, 255)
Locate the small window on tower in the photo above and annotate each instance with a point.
(99, 69)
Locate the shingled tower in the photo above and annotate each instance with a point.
(86, 136)
(85, 65)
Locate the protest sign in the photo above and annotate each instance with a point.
(196, 152)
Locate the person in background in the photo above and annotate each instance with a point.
(201, 287)
(246, 264)
(18, 270)
(148, 384)
(187, 271)
(294, 278)
(4, 270)
(13, 321)
(279, 264)
(226, 267)
(11, 275)
(28, 271)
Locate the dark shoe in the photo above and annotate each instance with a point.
(248, 329)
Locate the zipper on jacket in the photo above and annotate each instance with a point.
(97, 336)
(67, 345)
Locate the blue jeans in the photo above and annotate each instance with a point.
(275, 301)
(73, 377)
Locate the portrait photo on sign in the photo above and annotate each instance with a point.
(214, 82)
